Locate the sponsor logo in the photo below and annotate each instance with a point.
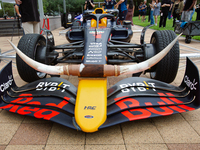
(89, 116)
(98, 32)
(37, 112)
(51, 86)
(96, 49)
(190, 84)
(138, 86)
(92, 61)
(94, 55)
(5, 86)
(89, 107)
(135, 109)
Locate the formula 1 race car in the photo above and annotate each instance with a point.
(99, 48)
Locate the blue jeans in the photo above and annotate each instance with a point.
(169, 15)
(192, 14)
(151, 17)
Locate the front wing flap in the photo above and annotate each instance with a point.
(130, 99)
(140, 98)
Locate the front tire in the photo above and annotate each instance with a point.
(31, 45)
(167, 68)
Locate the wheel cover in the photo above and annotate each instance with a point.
(40, 45)
(153, 73)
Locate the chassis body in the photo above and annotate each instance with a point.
(99, 40)
(94, 44)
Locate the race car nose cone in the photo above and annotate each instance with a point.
(91, 103)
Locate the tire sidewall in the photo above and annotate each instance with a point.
(28, 45)
(167, 68)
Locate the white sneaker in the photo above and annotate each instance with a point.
(155, 24)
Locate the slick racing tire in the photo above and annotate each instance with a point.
(167, 68)
(31, 45)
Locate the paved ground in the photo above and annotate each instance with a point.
(180, 131)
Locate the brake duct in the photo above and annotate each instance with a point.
(84, 70)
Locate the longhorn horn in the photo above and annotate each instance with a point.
(130, 69)
(108, 70)
(54, 70)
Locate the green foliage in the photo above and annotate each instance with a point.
(9, 9)
(52, 6)
(169, 24)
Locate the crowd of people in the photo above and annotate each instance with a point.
(179, 10)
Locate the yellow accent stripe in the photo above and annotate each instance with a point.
(146, 84)
(59, 85)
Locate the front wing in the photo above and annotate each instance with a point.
(130, 99)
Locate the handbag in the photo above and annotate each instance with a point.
(177, 11)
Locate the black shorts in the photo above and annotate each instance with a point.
(122, 15)
(143, 13)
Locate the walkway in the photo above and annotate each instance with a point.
(180, 131)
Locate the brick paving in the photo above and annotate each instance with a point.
(179, 131)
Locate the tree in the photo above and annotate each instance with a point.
(8, 8)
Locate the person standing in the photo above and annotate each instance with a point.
(198, 13)
(176, 10)
(170, 10)
(89, 5)
(156, 11)
(140, 9)
(17, 10)
(165, 5)
(130, 12)
(29, 15)
(194, 7)
(152, 4)
(144, 10)
(109, 4)
(187, 10)
(122, 10)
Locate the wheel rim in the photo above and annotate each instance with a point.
(41, 74)
(40, 44)
(153, 73)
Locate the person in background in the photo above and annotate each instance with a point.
(122, 10)
(89, 5)
(170, 10)
(165, 5)
(156, 11)
(140, 9)
(144, 10)
(29, 15)
(130, 12)
(17, 10)
(198, 12)
(187, 10)
(194, 7)
(176, 10)
(109, 4)
(152, 4)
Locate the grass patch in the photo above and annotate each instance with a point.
(169, 24)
